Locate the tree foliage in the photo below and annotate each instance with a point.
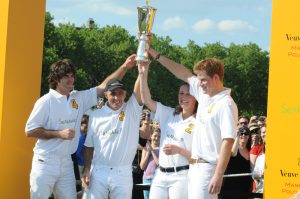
(98, 51)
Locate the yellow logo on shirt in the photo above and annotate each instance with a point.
(74, 104)
(211, 107)
(121, 116)
(190, 128)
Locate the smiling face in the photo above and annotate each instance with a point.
(155, 138)
(115, 98)
(244, 137)
(186, 101)
(207, 83)
(263, 132)
(243, 122)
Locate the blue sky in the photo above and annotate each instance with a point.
(203, 21)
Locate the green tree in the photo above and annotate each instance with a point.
(98, 51)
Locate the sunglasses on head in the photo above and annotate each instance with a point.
(241, 134)
(254, 131)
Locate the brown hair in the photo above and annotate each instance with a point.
(210, 66)
(60, 69)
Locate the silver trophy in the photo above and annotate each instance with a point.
(145, 22)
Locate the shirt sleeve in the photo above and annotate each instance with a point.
(162, 113)
(195, 90)
(134, 106)
(228, 120)
(39, 115)
(89, 98)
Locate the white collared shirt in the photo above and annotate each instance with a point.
(174, 130)
(54, 111)
(114, 134)
(216, 119)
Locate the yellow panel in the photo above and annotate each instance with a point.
(282, 177)
(21, 45)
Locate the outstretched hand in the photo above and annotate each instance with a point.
(130, 62)
(152, 53)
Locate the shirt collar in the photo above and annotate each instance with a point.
(59, 95)
(221, 94)
(56, 94)
(110, 110)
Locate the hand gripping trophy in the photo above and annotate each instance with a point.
(145, 22)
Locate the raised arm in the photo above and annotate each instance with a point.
(137, 90)
(119, 73)
(145, 91)
(235, 146)
(178, 70)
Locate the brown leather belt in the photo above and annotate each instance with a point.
(199, 160)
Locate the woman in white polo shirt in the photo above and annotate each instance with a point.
(171, 177)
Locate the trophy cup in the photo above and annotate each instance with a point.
(145, 23)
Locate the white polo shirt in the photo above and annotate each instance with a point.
(174, 130)
(216, 119)
(54, 111)
(114, 134)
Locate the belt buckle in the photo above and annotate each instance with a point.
(175, 169)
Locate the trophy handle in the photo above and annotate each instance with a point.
(151, 19)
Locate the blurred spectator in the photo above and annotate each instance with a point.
(253, 119)
(238, 163)
(145, 124)
(243, 121)
(258, 171)
(137, 172)
(256, 143)
(79, 152)
(261, 121)
(149, 160)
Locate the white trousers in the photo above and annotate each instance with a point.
(200, 175)
(50, 174)
(171, 185)
(115, 182)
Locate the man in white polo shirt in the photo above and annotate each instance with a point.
(216, 122)
(111, 144)
(55, 121)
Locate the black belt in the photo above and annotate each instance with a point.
(173, 169)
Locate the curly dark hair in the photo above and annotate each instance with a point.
(60, 69)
